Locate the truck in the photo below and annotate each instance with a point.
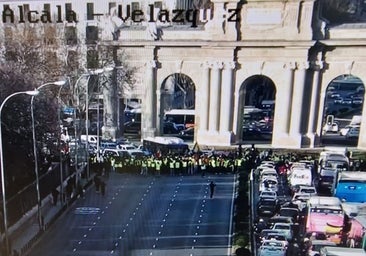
(331, 165)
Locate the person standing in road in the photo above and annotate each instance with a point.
(212, 188)
(102, 187)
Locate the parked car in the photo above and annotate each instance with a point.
(353, 133)
(331, 127)
(267, 206)
(346, 101)
(357, 101)
(284, 228)
(109, 152)
(132, 127)
(272, 247)
(170, 128)
(187, 133)
(251, 130)
(343, 131)
(268, 194)
(337, 100)
(269, 183)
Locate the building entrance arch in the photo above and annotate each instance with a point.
(177, 106)
(342, 112)
(257, 96)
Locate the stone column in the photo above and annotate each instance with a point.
(110, 98)
(149, 103)
(314, 104)
(297, 99)
(204, 97)
(226, 97)
(283, 102)
(214, 112)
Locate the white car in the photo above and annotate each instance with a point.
(343, 131)
(307, 190)
(268, 194)
(272, 248)
(284, 228)
(300, 200)
(269, 183)
(267, 172)
(331, 127)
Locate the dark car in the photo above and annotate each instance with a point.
(187, 133)
(278, 219)
(170, 128)
(251, 131)
(132, 127)
(293, 213)
(267, 207)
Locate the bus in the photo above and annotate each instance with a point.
(181, 117)
(351, 187)
(165, 145)
(348, 84)
(341, 251)
(325, 215)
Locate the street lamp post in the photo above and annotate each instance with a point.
(39, 202)
(91, 72)
(5, 217)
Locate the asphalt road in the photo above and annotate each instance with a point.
(172, 215)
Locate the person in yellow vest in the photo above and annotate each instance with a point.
(113, 162)
(190, 165)
(203, 168)
(149, 161)
(177, 165)
(119, 165)
(153, 165)
(143, 166)
(212, 164)
(185, 165)
(172, 166)
(158, 164)
(165, 165)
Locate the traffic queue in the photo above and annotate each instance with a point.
(299, 211)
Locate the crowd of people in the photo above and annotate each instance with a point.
(190, 163)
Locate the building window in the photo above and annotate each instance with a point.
(135, 6)
(90, 11)
(71, 36)
(158, 5)
(111, 6)
(47, 8)
(49, 35)
(72, 60)
(92, 58)
(26, 8)
(8, 34)
(68, 8)
(91, 34)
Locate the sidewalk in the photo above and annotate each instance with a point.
(23, 234)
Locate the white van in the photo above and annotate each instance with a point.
(92, 139)
(341, 251)
(301, 176)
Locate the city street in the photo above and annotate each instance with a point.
(146, 215)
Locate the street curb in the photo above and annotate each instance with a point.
(25, 249)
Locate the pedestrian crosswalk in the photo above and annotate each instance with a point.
(87, 210)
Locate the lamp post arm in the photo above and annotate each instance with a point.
(5, 216)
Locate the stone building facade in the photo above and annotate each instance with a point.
(221, 47)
